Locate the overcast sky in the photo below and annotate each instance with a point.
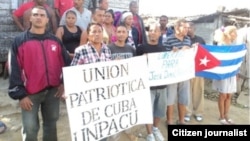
(187, 7)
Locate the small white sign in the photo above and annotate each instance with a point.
(171, 67)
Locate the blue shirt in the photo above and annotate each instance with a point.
(172, 41)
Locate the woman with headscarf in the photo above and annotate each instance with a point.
(133, 34)
(70, 34)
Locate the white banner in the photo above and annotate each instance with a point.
(107, 97)
(171, 67)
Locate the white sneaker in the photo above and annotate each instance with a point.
(150, 138)
(187, 118)
(158, 135)
(198, 118)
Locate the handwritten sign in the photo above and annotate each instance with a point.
(171, 67)
(107, 97)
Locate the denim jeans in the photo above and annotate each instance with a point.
(49, 111)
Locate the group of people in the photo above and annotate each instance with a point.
(68, 20)
(191, 93)
(84, 36)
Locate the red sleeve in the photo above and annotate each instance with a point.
(56, 4)
(20, 10)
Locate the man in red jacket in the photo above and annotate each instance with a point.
(36, 61)
(138, 22)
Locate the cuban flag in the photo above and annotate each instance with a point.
(219, 62)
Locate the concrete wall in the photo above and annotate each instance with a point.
(205, 30)
(119, 5)
(8, 30)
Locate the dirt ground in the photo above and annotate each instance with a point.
(10, 114)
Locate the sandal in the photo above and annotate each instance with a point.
(223, 122)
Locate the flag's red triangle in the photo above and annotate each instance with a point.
(204, 59)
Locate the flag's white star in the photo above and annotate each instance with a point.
(204, 61)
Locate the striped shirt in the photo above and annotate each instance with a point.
(172, 41)
(87, 54)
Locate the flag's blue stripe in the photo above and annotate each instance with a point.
(225, 48)
(210, 75)
(230, 62)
